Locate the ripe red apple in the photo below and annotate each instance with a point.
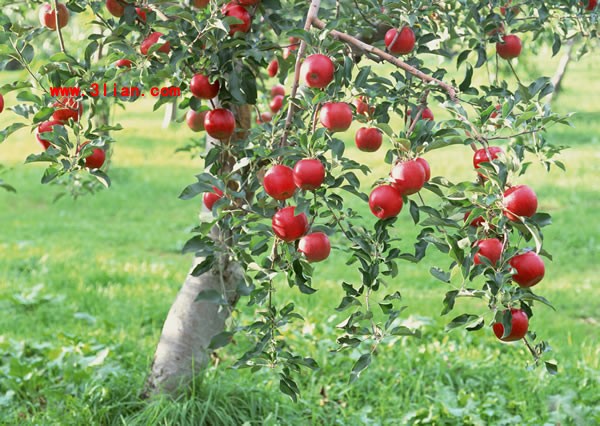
(265, 117)
(66, 108)
(239, 12)
(510, 47)
(116, 7)
(210, 198)
(294, 44)
(151, 40)
(368, 139)
(46, 126)
(219, 123)
(408, 176)
(288, 226)
(315, 247)
(490, 248)
(96, 159)
(515, 9)
(484, 155)
(47, 16)
(277, 90)
(478, 221)
(336, 116)
(495, 113)
(423, 162)
(273, 68)
(141, 13)
(519, 326)
(276, 104)
(195, 120)
(405, 41)
(519, 200)
(309, 174)
(279, 182)
(317, 71)
(200, 3)
(202, 88)
(530, 269)
(362, 107)
(427, 114)
(385, 201)
(123, 63)
(1, 102)
(591, 5)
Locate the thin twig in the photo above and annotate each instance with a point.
(58, 31)
(422, 106)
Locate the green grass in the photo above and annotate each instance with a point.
(85, 286)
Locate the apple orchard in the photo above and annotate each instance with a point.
(275, 87)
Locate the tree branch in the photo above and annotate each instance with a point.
(346, 38)
(58, 31)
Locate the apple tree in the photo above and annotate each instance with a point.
(275, 85)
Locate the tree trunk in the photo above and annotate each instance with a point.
(183, 350)
(562, 69)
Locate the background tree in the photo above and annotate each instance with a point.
(250, 244)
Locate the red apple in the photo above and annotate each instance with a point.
(239, 12)
(317, 71)
(294, 44)
(385, 201)
(510, 47)
(515, 9)
(491, 248)
(277, 90)
(530, 269)
(486, 155)
(368, 139)
(315, 247)
(519, 326)
(336, 116)
(273, 68)
(219, 123)
(123, 63)
(408, 176)
(478, 221)
(151, 40)
(210, 198)
(202, 88)
(423, 162)
(405, 41)
(116, 7)
(279, 182)
(519, 200)
(195, 120)
(287, 226)
(265, 117)
(591, 5)
(96, 159)
(495, 113)
(141, 13)
(200, 3)
(276, 104)
(47, 15)
(1, 102)
(66, 108)
(362, 107)
(46, 126)
(309, 174)
(427, 114)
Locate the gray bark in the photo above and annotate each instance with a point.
(170, 113)
(561, 70)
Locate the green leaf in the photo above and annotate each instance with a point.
(461, 320)
(222, 339)
(440, 274)
(362, 363)
(211, 296)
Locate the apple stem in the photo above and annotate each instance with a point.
(533, 352)
(513, 71)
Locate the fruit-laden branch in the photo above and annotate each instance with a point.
(346, 38)
(311, 16)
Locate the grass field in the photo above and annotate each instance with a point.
(85, 286)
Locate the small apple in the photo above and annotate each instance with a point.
(423, 162)
(408, 176)
(368, 139)
(317, 71)
(385, 201)
(219, 123)
(202, 88)
(478, 221)
(195, 120)
(116, 7)
(96, 159)
(66, 108)
(495, 113)
(591, 5)
(519, 326)
(510, 47)
(530, 269)
(336, 116)
(486, 155)
(265, 117)
(279, 182)
(47, 15)
(123, 63)
(315, 247)
(1, 102)
(514, 10)
(277, 90)
(46, 126)
(294, 44)
(309, 174)
(287, 226)
(273, 68)
(405, 41)
(276, 104)
(151, 40)
(362, 107)
(210, 198)
(491, 248)
(427, 114)
(200, 4)
(142, 12)
(239, 12)
(519, 200)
